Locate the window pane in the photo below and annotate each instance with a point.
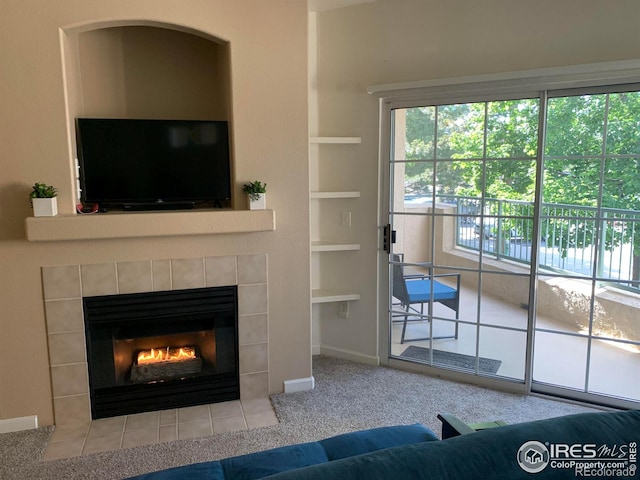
(417, 181)
(619, 247)
(510, 179)
(502, 352)
(563, 304)
(575, 126)
(571, 181)
(505, 300)
(458, 177)
(461, 130)
(420, 133)
(560, 360)
(568, 243)
(512, 128)
(623, 124)
(621, 381)
(621, 183)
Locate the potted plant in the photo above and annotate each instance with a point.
(44, 200)
(257, 193)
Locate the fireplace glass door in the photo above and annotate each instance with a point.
(159, 350)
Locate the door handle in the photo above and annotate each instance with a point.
(388, 237)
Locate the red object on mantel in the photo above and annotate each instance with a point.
(80, 208)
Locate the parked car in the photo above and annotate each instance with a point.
(490, 228)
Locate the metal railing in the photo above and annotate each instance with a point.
(504, 230)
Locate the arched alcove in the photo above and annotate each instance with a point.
(152, 72)
(144, 70)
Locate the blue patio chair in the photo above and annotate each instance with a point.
(417, 288)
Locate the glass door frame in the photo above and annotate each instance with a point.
(443, 94)
(547, 388)
(385, 297)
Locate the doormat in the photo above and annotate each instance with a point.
(459, 360)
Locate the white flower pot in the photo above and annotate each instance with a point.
(45, 207)
(259, 204)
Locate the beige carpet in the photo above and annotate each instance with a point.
(348, 396)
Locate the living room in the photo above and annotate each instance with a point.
(277, 98)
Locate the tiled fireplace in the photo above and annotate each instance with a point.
(65, 286)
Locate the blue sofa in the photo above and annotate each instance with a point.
(540, 450)
(269, 462)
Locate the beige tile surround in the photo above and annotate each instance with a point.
(65, 285)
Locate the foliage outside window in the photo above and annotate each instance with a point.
(486, 152)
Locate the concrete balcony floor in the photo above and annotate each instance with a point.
(559, 359)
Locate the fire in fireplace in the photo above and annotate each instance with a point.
(165, 363)
(157, 350)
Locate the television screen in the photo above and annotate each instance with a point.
(148, 164)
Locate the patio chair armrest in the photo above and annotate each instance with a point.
(428, 265)
(419, 276)
(452, 426)
(421, 264)
(438, 275)
(455, 275)
(423, 276)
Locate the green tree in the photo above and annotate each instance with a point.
(577, 166)
(491, 147)
(420, 137)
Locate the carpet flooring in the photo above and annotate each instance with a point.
(451, 359)
(348, 396)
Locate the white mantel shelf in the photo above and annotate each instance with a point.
(148, 224)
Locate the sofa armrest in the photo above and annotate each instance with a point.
(452, 426)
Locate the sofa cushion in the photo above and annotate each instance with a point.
(269, 462)
(262, 464)
(357, 443)
(246, 467)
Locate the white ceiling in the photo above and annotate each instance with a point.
(322, 5)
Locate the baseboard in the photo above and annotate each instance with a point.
(349, 355)
(18, 424)
(315, 350)
(299, 385)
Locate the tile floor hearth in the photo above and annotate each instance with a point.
(126, 431)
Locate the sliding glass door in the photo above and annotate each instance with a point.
(588, 318)
(517, 241)
(461, 208)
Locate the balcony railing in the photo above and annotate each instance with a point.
(572, 238)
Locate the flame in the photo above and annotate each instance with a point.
(166, 354)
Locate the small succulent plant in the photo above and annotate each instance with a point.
(254, 189)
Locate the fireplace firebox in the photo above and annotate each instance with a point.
(159, 350)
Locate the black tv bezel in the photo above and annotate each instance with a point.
(218, 200)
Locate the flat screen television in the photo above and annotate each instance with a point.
(136, 164)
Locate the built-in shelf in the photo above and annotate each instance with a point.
(148, 224)
(321, 295)
(322, 246)
(335, 140)
(335, 194)
(321, 260)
